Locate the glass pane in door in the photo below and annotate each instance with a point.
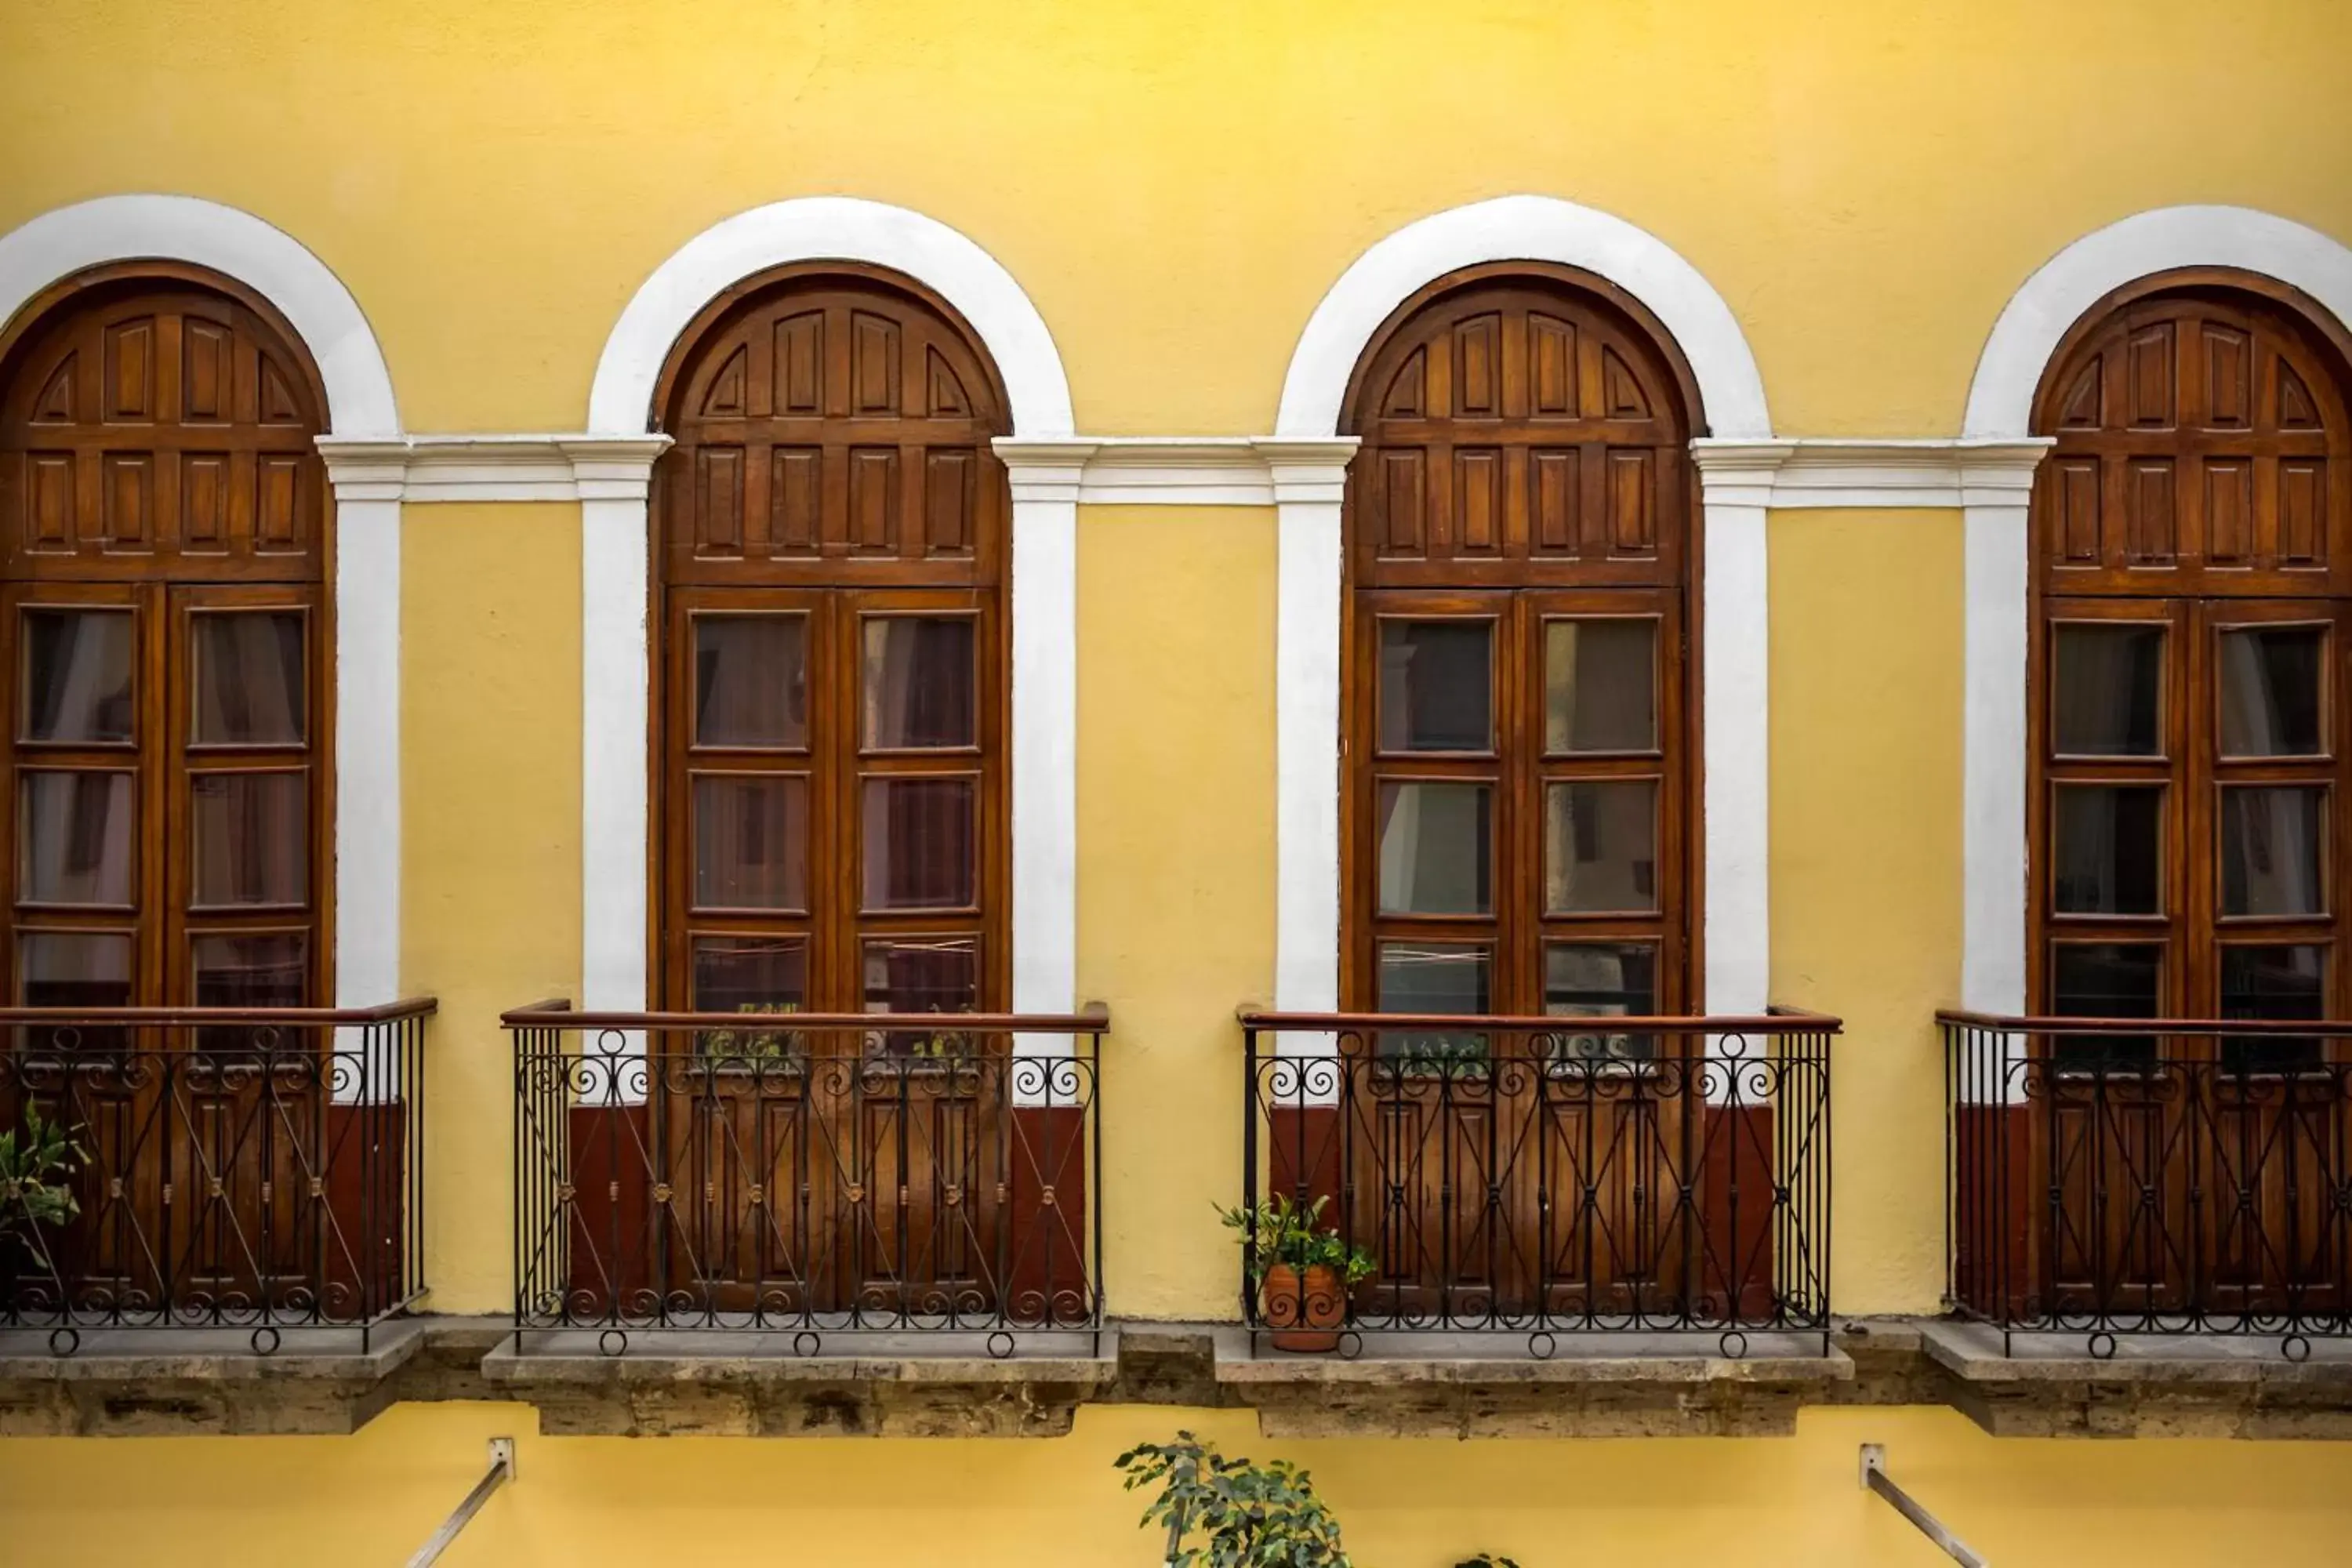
(1434, 848)
(75, 837)
(917, 683)
(2273, 849)
(250, 837)
(751, 681)
(2272, 686)
(248, 679)
(77, 676)
(1601, 686)
(2107, 690)
(1436, 685)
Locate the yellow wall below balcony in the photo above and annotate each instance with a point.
(1866, 642)
(1177, 184)
(370, 1500)
(489, 846)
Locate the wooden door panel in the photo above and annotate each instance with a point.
(1523, 463)
(2195, 481)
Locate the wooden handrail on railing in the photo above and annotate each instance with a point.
(222, 1018)
(1092, 1019)
(2040, 1025)
(1779, 1021)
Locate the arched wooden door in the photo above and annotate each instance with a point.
(165, 626)
(834, 817)
(2192, 678)
(1519, 798)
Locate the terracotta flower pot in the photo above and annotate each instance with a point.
(1304, 1311)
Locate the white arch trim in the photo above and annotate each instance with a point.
(2000, 406)
(1523, 228)
(272, 263)
(67, 240)
(2000, 398)
(615, 669)
(831, 228)
(1735, 812)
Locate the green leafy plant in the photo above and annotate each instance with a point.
(1295, 1235)
(36, 1166)
(1231, 1513)
(1223, 1512)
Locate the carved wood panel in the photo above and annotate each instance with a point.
(2201, 448)
(831, 427)
(156, 423)
(1519, 428)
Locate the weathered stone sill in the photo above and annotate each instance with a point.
(151, 1385)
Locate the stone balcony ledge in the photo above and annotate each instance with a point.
(193, 1382)
(686, 1384)
(2152, 1386)
(1486, 1385)
(148, 1383)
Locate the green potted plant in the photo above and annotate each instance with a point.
(1303, 1269)
(36, 1167)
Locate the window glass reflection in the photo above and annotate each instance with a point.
(918, 682)
(751, 681)
(2107, 849)
(1601, 686)
(77, 676)
(921, 850)
(750, 841)
(2272, 849)
(251, 838)
(1434, 848)
(2106, 980)
(75, 834)
(2107, 695)
(922, 975)
(1435, 978)
(2270, 683)
(1437, 686)
(2274, 982)
(1600, 845)
(1602, 980)
(755, 975)
(249, 679)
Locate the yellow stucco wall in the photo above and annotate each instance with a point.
(1865, 862)
(1175, 874)
(489, 844)
(1177, 184)
(1668, 1502)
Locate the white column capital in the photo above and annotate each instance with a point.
(1044, 468)
(1305, 470)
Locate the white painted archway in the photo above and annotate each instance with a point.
(614, 585)
(1734, 683)
(322, 313)
(2000, 406)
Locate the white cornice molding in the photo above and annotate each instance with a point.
(1193, 470)
(1830, 471)
(1177, 470)
(423, 469)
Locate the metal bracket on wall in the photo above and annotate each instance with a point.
(1875, 1478)
(501, 1471)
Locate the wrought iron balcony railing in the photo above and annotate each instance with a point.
(818, 1177)
(1536, 1176)
(2114, 1176)
(252, 1172)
